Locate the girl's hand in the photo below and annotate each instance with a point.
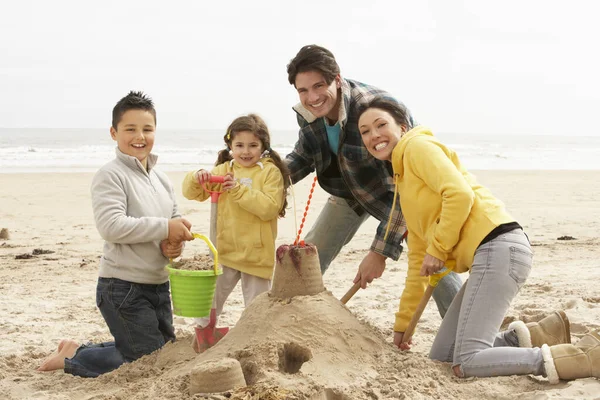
(229, 181)
(398, 336)
(431, 265)
(202, 176)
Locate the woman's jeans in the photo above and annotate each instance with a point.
(337, 224)
(468, 335)
(140, 319)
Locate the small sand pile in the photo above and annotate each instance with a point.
(200, 262)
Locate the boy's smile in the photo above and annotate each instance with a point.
(135, 134)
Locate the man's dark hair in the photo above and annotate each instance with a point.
(133, 101)
(397, 111)
(313, 58)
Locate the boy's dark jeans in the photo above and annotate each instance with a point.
(140, 319)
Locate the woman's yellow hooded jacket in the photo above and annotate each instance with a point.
(447, 212)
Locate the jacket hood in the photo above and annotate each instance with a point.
(398, 153)
(398, 163)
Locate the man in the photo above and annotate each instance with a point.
(360, 185)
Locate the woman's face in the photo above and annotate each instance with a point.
(380, 132)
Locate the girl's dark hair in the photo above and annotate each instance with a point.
(396, 110)
(255, 124)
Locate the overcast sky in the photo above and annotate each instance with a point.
(476, 66)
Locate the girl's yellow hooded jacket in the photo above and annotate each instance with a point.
(247, 215)
(447, 212)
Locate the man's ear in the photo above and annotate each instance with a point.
(113, 133)
(338, 81)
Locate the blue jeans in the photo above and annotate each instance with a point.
(140, 319)
(468, 335)
(337, 224)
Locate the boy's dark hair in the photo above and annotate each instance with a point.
(256, 125)
(313, 58)
(396, 110)
(133, 101)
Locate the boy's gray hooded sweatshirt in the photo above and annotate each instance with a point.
(132, 208)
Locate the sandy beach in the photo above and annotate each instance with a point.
(51, 296)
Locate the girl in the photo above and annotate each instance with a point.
(255, 188)
(455, 222)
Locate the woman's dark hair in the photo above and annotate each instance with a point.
(254, 124)
(395, 109)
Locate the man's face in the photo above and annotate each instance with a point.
(317, 96)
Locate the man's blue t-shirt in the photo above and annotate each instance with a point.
(333, 136)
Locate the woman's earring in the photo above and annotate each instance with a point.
(231, 153)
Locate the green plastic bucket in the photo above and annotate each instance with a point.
(192, 292)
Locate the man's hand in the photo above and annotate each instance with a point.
(431, 265)
(398, 336)
(171, 250)
(179, 230)
(229, 181)
(371, 267)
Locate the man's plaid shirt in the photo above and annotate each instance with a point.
(355, 175)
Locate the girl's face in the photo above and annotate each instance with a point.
(246, 148)
(380, 132)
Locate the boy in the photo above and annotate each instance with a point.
(136, 215)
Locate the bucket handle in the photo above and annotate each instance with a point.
(210, 246)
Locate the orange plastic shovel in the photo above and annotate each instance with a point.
(433, 282)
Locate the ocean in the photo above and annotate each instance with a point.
(84, 150)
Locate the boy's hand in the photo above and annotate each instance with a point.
(202, 176)
(179, 230)
(229, 181)
(171, 250)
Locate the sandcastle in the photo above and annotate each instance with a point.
(296, 336)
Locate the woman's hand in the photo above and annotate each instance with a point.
(229, 181)
(398, 336)
(431, 265)
(202, 176)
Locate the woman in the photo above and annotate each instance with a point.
(455, 222)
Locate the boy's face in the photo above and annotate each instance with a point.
(317, 96)
(135, 134)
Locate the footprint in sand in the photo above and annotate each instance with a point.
(592, 299)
